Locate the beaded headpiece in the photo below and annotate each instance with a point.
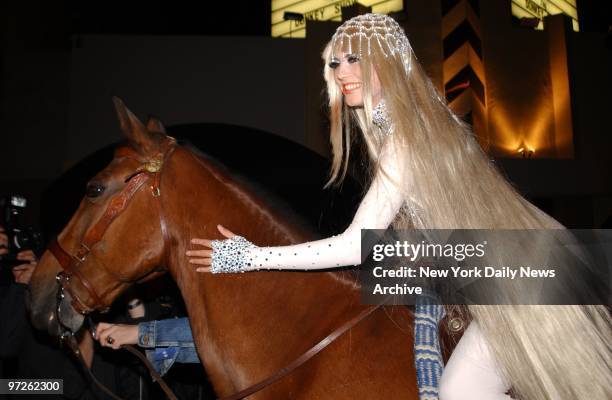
(370, 30)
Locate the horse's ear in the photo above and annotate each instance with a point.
(155, 125)
(133, 129)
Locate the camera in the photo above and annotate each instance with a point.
(20, 236)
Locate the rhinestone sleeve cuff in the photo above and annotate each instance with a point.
(230, 255)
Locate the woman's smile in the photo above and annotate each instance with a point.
(348, 88)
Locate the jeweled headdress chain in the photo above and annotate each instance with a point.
(370, 28)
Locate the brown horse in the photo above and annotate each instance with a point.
(246, 326)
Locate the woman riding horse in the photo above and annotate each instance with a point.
(135, 222)
(429, 172)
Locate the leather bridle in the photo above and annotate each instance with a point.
(150, 171)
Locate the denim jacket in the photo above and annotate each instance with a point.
(166, 342)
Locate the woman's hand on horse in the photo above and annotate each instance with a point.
(116, 335)
(204, 256)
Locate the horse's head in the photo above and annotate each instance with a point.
(116, 237)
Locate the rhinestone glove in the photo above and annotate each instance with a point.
(230, 255)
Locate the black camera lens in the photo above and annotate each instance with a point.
(29, 239)
(20, 237)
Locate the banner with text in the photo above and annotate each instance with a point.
(474, 266)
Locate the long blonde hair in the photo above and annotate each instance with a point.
(545, 352)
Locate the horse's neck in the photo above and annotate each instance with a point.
(233, 317)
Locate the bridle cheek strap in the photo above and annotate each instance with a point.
(115, 207)
(94, 235)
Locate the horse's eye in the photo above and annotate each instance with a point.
(94, 190)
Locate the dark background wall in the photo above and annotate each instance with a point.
(254, 82)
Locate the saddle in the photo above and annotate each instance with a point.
(451, 329)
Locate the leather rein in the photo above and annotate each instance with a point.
(150, 171)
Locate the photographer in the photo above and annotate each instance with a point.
(11, 298)
(36, 354)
